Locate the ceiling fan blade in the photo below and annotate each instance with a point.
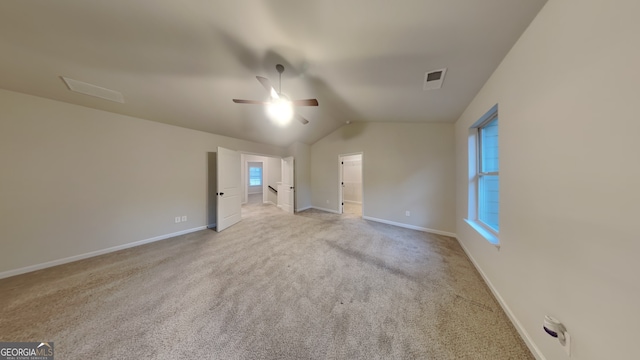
(305, 102)
(266, 83)
(301, 119)
(254, 102)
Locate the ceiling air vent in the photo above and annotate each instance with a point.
(433, 79)
(93, 90)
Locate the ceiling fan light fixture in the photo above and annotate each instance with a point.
(279, 107)
(280, 111)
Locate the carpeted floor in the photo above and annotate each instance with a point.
(275, 286)
(352, 209)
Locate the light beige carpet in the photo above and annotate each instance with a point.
(352, 209)
(275, 286)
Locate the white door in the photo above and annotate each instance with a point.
(286, 191)
(341, 187)
(229, 187)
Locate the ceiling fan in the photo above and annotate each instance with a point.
(280, 107)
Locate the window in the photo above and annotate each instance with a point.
(484, 168)
(255, 176)
(488, 174)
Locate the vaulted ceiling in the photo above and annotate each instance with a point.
(181, 62)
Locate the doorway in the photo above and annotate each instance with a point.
(255, 182)
(268, 180)
(350, 188)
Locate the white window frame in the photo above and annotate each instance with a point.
(475, 174)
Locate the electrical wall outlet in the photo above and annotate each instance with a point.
(184, 218)
(407, 213)
(177, 219)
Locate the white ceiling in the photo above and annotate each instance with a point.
(181, 62)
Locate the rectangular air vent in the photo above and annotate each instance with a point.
(433, 79)
(93, 90)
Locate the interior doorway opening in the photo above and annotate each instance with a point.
(235, 178)
(255, 182)
(268, 180)
(351, 184)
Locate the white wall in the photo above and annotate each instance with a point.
(75, 180)
(569, 152)
(406, 166)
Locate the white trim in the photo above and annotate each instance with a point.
(523, 333)
(487, 117)
(484, 232)
(323, 209)
(353, 202)
(304, 208)
(52, 263)
(340, 184)
(412, 227)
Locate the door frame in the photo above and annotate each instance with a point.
(246, 177)
(340, 180)
(212, 189)
(265, 172)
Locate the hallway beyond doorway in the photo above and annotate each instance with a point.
(353, 209)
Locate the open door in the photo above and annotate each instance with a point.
(229, 187)
(286, 190)
(212, 190)
(350, 188)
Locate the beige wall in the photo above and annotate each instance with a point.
(569, 152)
(405, 167)
(76, 180)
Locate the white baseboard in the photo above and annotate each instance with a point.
(353, 202)
(268, 202)
(412, 227)
(303, 208)
(48, 264)
(323, 209)
(523, 333)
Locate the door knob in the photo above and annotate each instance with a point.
(221, 194)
